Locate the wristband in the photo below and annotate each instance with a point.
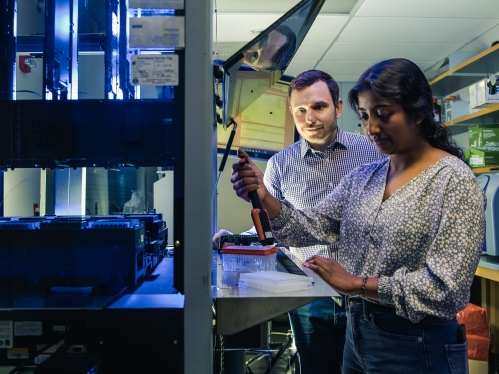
(363, 286)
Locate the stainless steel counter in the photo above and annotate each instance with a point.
(239, 308)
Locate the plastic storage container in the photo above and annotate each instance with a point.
(275, 281)
(249, 258)
(448, 107)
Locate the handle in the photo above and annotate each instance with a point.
(259, 216)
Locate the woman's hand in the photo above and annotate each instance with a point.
(340, 280)
(333, 274)
(218, 236)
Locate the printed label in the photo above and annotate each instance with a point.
(157, 4)
(155, 70)
(40, 358)
(59, 328)
(28, 328)
(18, 353)
(157, 32)
(6, 334)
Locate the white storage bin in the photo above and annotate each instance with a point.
(275, 281)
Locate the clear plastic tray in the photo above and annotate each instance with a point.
(240, 262)
(275, 281)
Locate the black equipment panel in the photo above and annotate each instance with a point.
(51, 134)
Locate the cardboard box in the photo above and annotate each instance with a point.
(478, 347)
(478, 367)
(484, 98)
(459, 108)
(473, 96)
(482, 156)
(483, 136)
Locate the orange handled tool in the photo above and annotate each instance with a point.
(260, 217)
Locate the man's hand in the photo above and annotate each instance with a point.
(218, 236)
(246, 178)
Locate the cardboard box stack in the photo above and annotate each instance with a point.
(484, 146)
(480, 95)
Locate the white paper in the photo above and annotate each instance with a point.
(156, 4)
(155, 70)
(157, 32)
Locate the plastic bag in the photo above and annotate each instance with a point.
(477, 324)
(136, 204)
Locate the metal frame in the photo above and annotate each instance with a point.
(199, 154)
(8, 57)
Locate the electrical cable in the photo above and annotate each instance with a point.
(226, 154)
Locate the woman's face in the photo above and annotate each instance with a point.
(387, 125)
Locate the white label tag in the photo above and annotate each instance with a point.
(155, 70)
(17, 353)
(40, 358)
(28, 328)
(157, 32)
(6, 334)
(156, 4)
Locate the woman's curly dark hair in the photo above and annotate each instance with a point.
(402, 82)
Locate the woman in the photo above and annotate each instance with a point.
(410, 230)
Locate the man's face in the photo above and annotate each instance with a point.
(260, 55)
(315, 114)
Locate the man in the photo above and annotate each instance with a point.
(303, 174)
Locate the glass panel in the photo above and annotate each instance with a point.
(75, 260)
(257, 66)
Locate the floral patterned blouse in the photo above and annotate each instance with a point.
(423, 242)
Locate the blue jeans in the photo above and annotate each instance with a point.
(319, 334)
(380, 342)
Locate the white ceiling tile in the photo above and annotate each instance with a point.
(297, 67)
(430, 8)
(416, 52)
(260, 6)
(237, 27)
(311, 51)
(279, 6)
(338, 6)
(355, 68)
(424, 31)
(326, 28)
(339, 70)
(414, 30)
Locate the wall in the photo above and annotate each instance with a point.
(21, 191)
(349, 119)
(233, 212)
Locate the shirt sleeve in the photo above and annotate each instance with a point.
(272, 179)
(312, 226)
(441, 287)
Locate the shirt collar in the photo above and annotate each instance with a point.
(341, 139)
